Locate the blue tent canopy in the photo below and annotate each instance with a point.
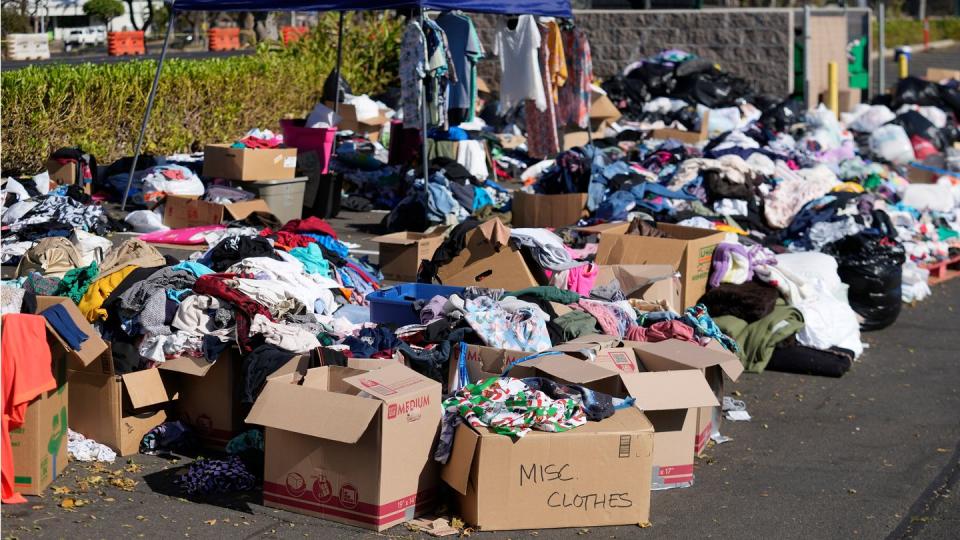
(550, 8)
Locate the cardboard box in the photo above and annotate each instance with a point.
(401, 252)
(180, 212)
(597, 474)
(686, 137)
(656, 284)
(714, 362)
(64, 174)
(670, 394)
(939, 74)
(485, 262)
(90, 349)
(481, 362)
(603, 113)
(224, 161)
(688, 250)
(39, 446)
(117, 410)
(209, 396)
(365, 461)
(369, 127)
(550, 211)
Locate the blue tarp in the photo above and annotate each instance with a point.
(551, 8)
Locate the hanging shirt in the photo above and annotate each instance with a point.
(413, 54)
(466, 50)
(520, 75)
(574, 106)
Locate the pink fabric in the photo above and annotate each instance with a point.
(582, 278)
(187, 237)
(580, 254)
(606, 318)
(661, 331)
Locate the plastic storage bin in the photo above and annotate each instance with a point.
(395, 305)
(319, 140)
(284, 197)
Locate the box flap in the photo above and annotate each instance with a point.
(312, 411)
(402, 238)
(145, 388)
(666, 390)
(693, 355)
(616, 227)
(456, 473)
(188, 365)
(390, 382)
(635, 249)
(633, 277)
(604, 109)
(240, 210)
(570, 369)
(92, 348)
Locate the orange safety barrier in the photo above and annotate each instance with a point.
(224, 39)
(124, 43)
(293, 33)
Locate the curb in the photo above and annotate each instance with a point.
(918, 48)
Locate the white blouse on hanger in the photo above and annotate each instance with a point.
(520, 76)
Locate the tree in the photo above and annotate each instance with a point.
(105, 10)
(133, 15)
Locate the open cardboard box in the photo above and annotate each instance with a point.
(481, 362)
(487, 260)
(687, 249)
(402, 252)
(597, 474)
(657, 284)
(369, 127)
(362, 460)
(686, 137)
(669, 394)
(209, 397)
(39, 446)
(185, 211)
(547, 211)
(603, 113)
(249, 164)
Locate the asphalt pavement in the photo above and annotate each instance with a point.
(871, 455)
(946, 58)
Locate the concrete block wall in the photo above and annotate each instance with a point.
(754, 44)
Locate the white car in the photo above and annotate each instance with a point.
(85, 36)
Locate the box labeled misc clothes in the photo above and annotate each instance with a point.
(402, 252)
(181, 212)
(349, 445)
(537, 210)
(687, 249)
(225, 161)
(596, 474)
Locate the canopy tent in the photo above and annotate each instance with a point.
(547, 8)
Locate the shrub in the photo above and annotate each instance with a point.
(910, 31)
(99, 107)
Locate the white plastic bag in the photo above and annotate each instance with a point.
(872, 118)
(146, 221)
(891, 143)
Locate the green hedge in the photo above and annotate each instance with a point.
(910, 31)
(99, 107)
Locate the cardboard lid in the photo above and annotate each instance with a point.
(190, 366)
(615, 227)
(145, 388)
(312, 411)
(570, 369)
(240, 210)
(666, 390)
(89, 350)
(456, 473)
(693, 355)
(602, 108)
(391, 382)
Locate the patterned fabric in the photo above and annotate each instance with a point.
(574, 106)
(700, 320)
(542, 138)
(522, 330)
(413, 53)
(509, 407)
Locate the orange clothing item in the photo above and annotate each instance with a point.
(26, 374)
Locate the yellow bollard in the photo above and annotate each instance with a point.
(833, 89)
(904, 66)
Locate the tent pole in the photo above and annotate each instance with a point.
(336, 103)
(423, 113)
(150, 100)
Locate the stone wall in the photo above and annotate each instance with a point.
(754, 44)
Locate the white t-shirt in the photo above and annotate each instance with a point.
(520, 76)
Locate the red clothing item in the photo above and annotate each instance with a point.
(26, 374)
(311, 224)
(661, 331)
(244, 306)
(287, 240)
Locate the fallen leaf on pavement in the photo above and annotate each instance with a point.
(211, 522)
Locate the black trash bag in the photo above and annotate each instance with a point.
(871, 263)
(658, 79)
(783, 115)
(693, 66)
(916, 91)
(330, 86)
(915, 123)
(950, 95)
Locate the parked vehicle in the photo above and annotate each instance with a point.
(90, 35)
